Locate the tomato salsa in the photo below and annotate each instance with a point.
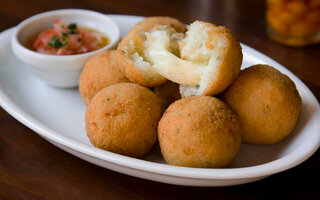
(67, 39)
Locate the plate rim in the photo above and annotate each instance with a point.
(265, 169)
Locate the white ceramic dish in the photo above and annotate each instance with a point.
(60, 71)
(58, 116)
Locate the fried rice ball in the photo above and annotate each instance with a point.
(199, 131)
(204, 61)
(123, 119)
(168, 93)
(100, 71)
(267, 103)
(130, 50)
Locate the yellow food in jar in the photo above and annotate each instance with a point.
(294, 22)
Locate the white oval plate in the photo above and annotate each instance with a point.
(58, 116)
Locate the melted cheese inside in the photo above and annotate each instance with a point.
(159, 43)
(191, 60)
(198, 61)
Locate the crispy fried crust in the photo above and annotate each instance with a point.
(230, 64)
(100, 71)
(199, 131)
(267, 103)
(130, 70)
(123, 119)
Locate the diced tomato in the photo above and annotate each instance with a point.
(91, 40)
(60, 41)
(41, 43)
(60, 27)
(74, 41)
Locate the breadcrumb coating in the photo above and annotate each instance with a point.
(199, 131)
(101, 70)
(267, 102)
(123, 119)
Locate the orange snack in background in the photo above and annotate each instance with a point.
(314, 3)
(297, 8)
(313, 16)
(294, 22)
(302, 28)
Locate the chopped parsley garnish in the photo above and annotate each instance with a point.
(72, 28)
(55, 42)
(64, 42)
(64, 34)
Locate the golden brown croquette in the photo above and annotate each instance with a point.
(199, 131)
(100, 71)
(267, 103)
(123, 118)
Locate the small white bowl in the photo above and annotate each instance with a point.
(57, 70)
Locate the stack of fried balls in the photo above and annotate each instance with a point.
(159, 85)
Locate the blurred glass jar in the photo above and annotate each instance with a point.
(294, 22)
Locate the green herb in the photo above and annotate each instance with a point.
(79, 39)
(64, 38)
(55, 42)
(64, 42)
(72, 28)
(64, 34)
(197, 86)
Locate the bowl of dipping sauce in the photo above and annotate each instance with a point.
(56, 44)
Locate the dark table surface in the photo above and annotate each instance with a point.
(32, 168)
